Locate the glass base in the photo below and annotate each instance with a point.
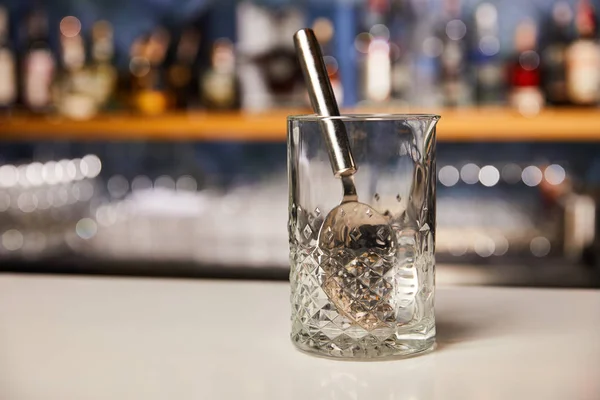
(366, 348)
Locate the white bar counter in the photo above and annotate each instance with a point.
(80, 338)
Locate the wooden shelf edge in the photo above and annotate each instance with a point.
(460, 125)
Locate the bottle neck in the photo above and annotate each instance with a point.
(452, 9)
(187, 48)
(73, 52)
(102, 50)
(586, 20)
(223, 58)
(37, 29)
(102, 42)
(3, 27)
(587, 33)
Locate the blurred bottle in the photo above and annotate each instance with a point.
(38, 64)
(278, 63)
(378, 71)
(554, 54)
(139, 66)
(378, 63)
(253, 27)
(73, 91)
(377, 10)
(219, 86)
(452, 32)
(146, 67)
(583, 59)
(489, 72)
(333, 70)
(524, 69)
(425, 90)
(324, 30)
(181, 78)
(400, 29)
(104, 73)
(8, 81)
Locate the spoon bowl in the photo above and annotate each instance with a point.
(356, 226)
(360, 245)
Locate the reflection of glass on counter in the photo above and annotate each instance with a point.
(43, 205)
(170, 220)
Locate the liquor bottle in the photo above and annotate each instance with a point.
(139, 65)
(554, 54)
(104, 74)
(400, 28)
(181, 75)
(219, 86)
(452, 33)
(150, 96)
(73, 90)
(583, 59)
(377, 11)
(378, 63)
(324, 30)
(489, 73)
(38, 64)
(8, 82)
(524, 70)
(425, 90)
(378, 73)
(277, 62)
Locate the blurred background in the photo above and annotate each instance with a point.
(148, 136)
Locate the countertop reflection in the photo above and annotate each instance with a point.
(122, 338)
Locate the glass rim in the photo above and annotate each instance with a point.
(365, 117)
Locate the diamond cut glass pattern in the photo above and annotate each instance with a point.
(348, 300)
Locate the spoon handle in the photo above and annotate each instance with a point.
(323, 102)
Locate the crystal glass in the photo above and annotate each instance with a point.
(364, 302)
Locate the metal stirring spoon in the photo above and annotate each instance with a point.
(353, 232)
